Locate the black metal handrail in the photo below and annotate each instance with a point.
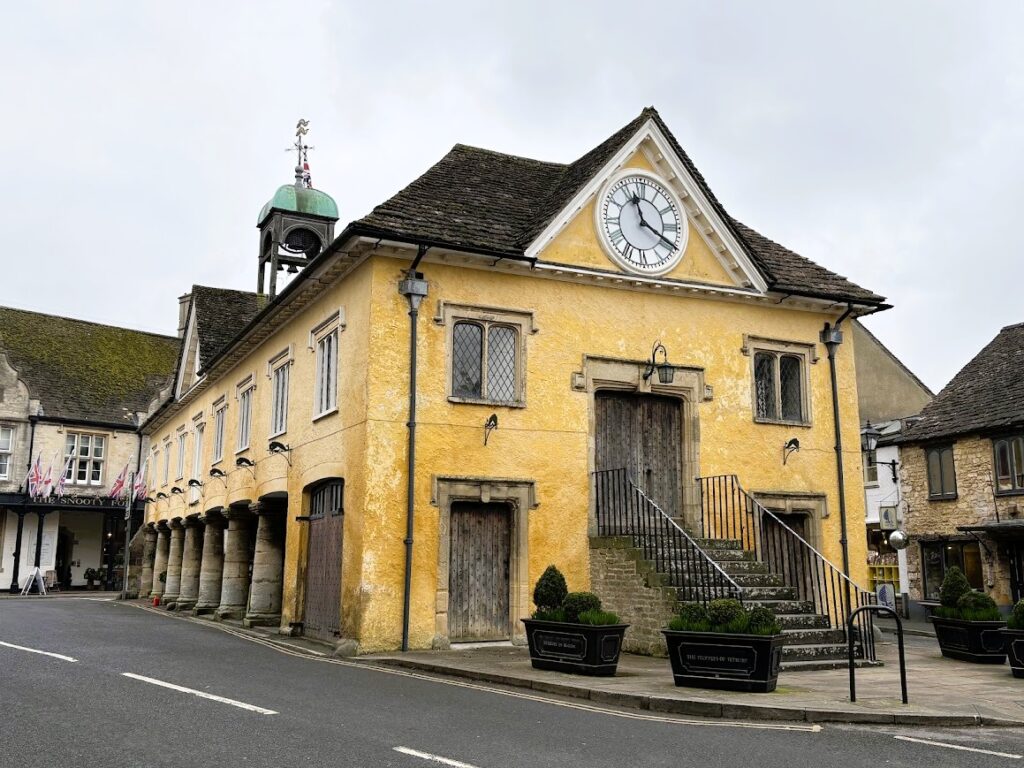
(623, 509)
(729, 512)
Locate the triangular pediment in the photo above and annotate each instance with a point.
(711, 253)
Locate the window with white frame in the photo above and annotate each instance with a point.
(279, 379)
(6, 447)
(245, 394)
(325, 392)
(166, 476)
(486, 352)
(182, 436)
(220, 410)
(870, 467)
(197, 459)
(84, 456)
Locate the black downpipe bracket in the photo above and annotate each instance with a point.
(414, 288)
(832, 337)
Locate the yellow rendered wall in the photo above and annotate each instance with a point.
(331, 446)
(547, 441)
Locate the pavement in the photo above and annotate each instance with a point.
(101, 683)
(942, 692)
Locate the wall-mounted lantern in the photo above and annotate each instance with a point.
(666, 371)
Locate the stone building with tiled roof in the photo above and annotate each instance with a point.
(470, 382)
(962, 471)
(71, 395)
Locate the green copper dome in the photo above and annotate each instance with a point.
(292, 197)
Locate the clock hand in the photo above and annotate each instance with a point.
(664, 239)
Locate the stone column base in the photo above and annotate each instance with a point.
(234, 612)
(203, 610)
(168, 604)
(261, 620)
(184, 605)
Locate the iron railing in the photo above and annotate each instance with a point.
(729, 512)
(623, 509)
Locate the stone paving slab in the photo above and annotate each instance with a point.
(942, 692)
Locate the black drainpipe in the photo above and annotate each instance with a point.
(414, 288)
(832, 337)
(19, 536)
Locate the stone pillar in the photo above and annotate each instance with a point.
(234, 588)
(267, 567)
(148, 553)
(211, 569)
(163, 547)
(173, 586)
(190, 558)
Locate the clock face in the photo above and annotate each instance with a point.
(642, 224)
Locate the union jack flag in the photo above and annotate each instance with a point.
(63, 479)
(139, 490)
(35, 478)
(117, 490)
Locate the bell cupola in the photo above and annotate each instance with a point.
(296, 224)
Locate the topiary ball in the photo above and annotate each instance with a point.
(977, 603)
(550, 589)
(761, 621)
(693, 613)
(725, 611)
(1016, 620)
(576, 603)
(954, 586)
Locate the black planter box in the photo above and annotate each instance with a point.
(981, 642)
(725, 662)
(581, 648)
(1015, 650)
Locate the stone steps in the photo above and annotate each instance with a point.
(802, 620)
(815, 636)
(813, 652)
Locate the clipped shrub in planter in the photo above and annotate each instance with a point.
(1014, 635)
(968, 624)
(569, 632)
(726, 646)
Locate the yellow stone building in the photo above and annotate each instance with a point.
(524, 301)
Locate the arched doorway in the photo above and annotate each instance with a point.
(644, 435)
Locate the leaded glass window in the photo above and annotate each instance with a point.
(779, 387)
(485, 361)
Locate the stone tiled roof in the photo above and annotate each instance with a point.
(85, 371)
(220, 314)
(477, 199)
(987, 394)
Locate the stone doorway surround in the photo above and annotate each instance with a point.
(609, 374)
(520, 496)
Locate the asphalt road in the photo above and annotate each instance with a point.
(89, 713)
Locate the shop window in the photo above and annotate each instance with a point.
(941, 472)
(938, 556)
(1009, 460)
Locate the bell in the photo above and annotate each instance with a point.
(292, 269)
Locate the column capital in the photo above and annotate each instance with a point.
(237, 512)
(215, 516)
(175, 523)
(192, 520)
(162, 526)
(258, 508)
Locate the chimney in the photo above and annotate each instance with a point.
(183, 302)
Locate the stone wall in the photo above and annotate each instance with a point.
(975, 504)
(628, 585)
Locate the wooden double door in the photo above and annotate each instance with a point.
(323, 575)
(644, 435)
(478, 572)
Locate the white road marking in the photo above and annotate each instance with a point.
(433, 758)
(60, 656)
(274, 645)
(958, 746)
(201, 694)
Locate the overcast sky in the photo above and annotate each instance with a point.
(883, 140)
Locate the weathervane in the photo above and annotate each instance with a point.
(303, 177)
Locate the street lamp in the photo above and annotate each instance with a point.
(869, 436)
(666, 371)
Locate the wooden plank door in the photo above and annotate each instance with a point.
(322, 619)
(478, 572)
(643, 434)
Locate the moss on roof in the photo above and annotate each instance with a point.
(86, 371)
